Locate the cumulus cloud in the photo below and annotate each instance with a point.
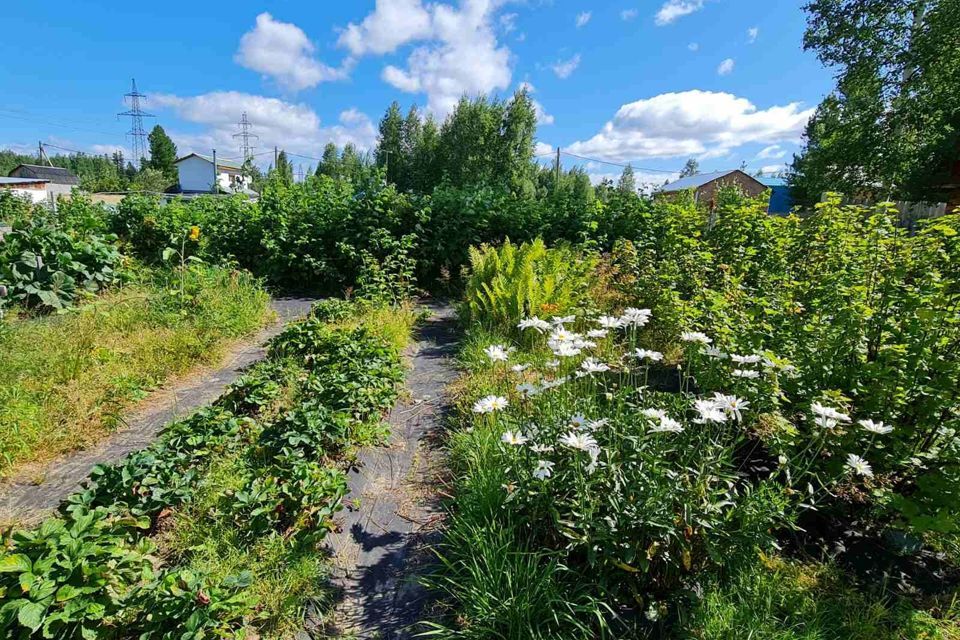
(691, 123)
(773, 152)
(564, 68)
(693, 46)
(294, 127)
(646, 180)
(508, 22)
(752, 34)
(672, 10)
(773, 169)
(282, 51)
(628, 14)
(726, 67)
(543, 118)
(542, 149)
(583, 19)
(458, 55)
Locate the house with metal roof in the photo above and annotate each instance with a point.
(60, 181)
(34, 189)
(781, 200)
(705, 185)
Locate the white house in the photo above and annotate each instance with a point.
(59, 181)
(196, 174)
(33, 189)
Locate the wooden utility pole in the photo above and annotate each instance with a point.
(276, 157)
(215, 189)
(556, 184)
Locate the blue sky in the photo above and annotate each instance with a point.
(650, 82)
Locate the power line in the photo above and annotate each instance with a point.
(9, 113)
(246, 149)
(616, 164)
(138, 137)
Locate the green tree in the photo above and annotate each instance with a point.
(329, 165)
(691, 168)
(163, 153)
(884, 131)
(150, 180)
(284, 169)
(628, 181)
(389, 154)
(424, 165)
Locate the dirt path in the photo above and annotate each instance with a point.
(26, 502)
(376, 548)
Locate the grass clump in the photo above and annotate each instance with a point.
(65, 378)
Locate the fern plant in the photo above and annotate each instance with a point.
(508, 283)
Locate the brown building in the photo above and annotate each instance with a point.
(705, 185)
(60, 182)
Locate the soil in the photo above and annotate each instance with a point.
(379, 547)
(33, 494)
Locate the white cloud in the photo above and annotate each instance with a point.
(646, 180)
(563, 68)
(774, 169)
(583, 19)
(628, 14)
(108, 149)
(773, 152)
(726, 67)
(459, 56)
(282, 51)
(543, 117)
(691, 123)
(393, 23)
(672, 10)
(294, 127)
(693, 46)
(542, 149)
(508, 22)
(752, 34)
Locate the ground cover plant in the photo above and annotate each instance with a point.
(742, 386)
(214, 529)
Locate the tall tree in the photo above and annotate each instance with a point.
(389, 152)
(329, 164)
(412, 132)
(628, 181)
(884, 130)
(517, 141)
(284, 169)
(691, 168)
(163, 153)
(425, 174)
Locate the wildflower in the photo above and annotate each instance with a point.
(749, 374)
(709, 412)
(858, 465)
(490, 404)
(875, 427)
(609, 322)
(550, 384)
(593, 425)
(541, 448)
(519, 368)
(580, 343)
(695, 336)
(667, 425)
(646, 354)
(594, 454)
(544, 470)
(715, 353)
(195, 233)
(829, 412)
(636, 317)
(527, 390)
(513, 438)
(653, 414)
(732, 405)
(577, 421)
(497, 353)
(597, 333)
(559, 321)
(825, 423)
(534, 323)
(580, 441)
(745, 359)
(592, 366)
(565, 350)
(553, 364)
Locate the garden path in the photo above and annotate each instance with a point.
(24, 501)
(381, 539)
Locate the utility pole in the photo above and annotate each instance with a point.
(43, 154)
(276, 157)
(215, 172)
(556, 184)
(138, 137)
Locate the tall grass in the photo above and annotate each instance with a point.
(64, 379)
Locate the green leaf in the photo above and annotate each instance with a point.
(15, 563)
(66, 592)
(31, 615)
(168, 253)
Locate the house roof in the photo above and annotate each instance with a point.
(6, 180)
(772, 182)
(226, 164)
(696, 181)
(56, 175)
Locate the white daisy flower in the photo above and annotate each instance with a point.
(749, 374)
(858, 465)
(745, 359)
(829, 412)
(647, 354)
(528, 390)
(519, 368)
(825, 423)
(875, 427)
(534, 323)
(709, 412)
(609, 322)
(490, 404)
(579, 440)
(593, 366)
(497, 353)
(577, 420)
(541, 448)
(653, 414)
(695, 336)
(597, 333)
(593, 425)
(562, 320)
(667, 425)
(732, 405)
(636, 317)
(544, 470)
(715, 353)
(566, 350)
(553, 364)
(514, 438)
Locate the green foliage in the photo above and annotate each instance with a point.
(48, 266)
(163, 155)
(510, 283)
